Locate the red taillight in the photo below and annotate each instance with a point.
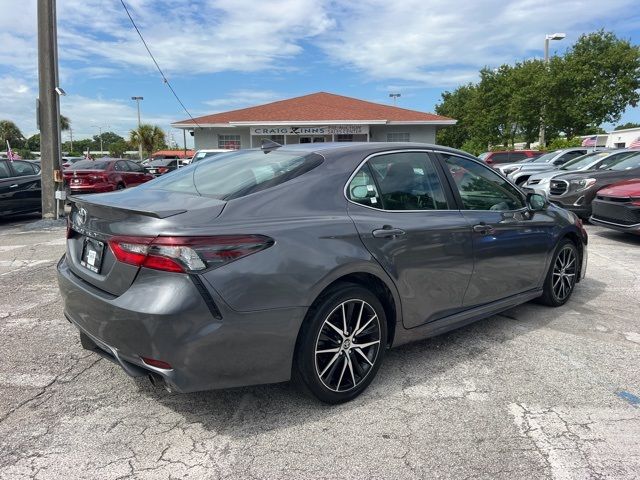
(156, 363)
(186, 254)
(488, 161)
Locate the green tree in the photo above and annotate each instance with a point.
(561, 142)
(65, 123)
(593, 83)
(627, 125)
(10, 131)
(33, 143)
(117, 148)
(457, 104)
(151, 137)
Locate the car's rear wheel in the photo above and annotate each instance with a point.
(562, 275)
(120, 186)
(341, 344)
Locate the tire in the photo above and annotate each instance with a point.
(344, 371)
(120, 186)
(564, 268)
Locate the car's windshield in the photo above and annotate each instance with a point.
(482, 156)
(547, 157)
(89, 165)
(627, 164)
(584, 161)
(237, 174)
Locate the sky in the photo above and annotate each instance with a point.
(221, 55)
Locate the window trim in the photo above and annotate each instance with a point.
(456, 192)
(452, 201)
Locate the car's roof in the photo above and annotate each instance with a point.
(365, 147)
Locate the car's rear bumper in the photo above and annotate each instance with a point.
(166, 317)
(81, 189)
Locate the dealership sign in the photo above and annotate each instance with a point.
(320, 130)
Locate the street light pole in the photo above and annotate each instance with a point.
(553, 36)
(99, 127)
(395, 97)
(137, 99)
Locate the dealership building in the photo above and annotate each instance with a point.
(318, 117)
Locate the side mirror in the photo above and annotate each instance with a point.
(536, 202)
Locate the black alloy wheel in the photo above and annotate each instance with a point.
(341, 344)
(562, 276)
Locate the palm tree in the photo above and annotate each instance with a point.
(151, 137)
(10, 131)
(65, 123)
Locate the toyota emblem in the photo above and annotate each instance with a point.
(81, 217)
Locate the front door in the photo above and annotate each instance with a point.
(401, 210)
(511, 244)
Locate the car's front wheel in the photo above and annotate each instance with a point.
(341, 344)
(562, 275)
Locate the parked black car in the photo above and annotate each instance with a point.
(161, 166)
(576, 191)
(19, 187)
(307, 261)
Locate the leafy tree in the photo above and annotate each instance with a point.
(10, 131)
(117, 148)
(457, 104)
(24, 153)
(33, 143)
(561, 142)
(151, 137)
(627, 125)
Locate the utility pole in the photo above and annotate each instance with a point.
(100, 127)
(137, 99)
(395, 97)
(71, 138)
(552, 36)
(48, 105)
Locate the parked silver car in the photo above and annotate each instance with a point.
(590, 161)
(519, 173)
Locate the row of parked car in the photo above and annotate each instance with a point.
(601, 185)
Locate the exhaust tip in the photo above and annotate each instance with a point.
(158, 382)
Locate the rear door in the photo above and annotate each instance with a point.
(136, 173)
(400, 205)
(6, 187)
(511, 244)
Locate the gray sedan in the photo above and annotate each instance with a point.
(590, 161)
(306, 262)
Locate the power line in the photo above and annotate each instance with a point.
(164, 78)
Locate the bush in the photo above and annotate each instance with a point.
(558, 143)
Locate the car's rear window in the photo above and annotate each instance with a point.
(89, 165)
(237, 174)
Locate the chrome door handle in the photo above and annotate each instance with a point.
(484, 229)
(387, 231)
(13, 186)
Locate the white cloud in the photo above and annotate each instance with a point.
(445, 42)
(242, 98)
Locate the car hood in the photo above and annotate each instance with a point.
(626, 188)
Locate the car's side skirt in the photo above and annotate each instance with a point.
(461, 319)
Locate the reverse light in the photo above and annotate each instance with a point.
(186, 254)
(583, 184)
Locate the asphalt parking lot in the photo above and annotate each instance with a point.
(532, 393)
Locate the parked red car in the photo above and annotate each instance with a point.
(104, 175)
(618, 206)
(508, 156)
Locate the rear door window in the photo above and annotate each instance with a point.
(4, 169)
(23, 168)
(500, 157)
(239, 173)
(399, 181)
(518, 156)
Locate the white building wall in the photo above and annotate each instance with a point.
(208, 137)
(622, 138)
(417, 133)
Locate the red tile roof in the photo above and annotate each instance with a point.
(320, 107)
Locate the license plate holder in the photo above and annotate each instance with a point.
(92, 253)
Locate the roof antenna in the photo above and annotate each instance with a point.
(269, 145)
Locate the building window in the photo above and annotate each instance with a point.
(277, 138)
(229, 141)
(398, 137)
(344, 138)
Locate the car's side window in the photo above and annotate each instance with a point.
(481, 188)
(4, 169)
(121, 167)
(23, 168)
(134, 167)
(399, 181)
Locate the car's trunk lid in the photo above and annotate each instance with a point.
(137, 213)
